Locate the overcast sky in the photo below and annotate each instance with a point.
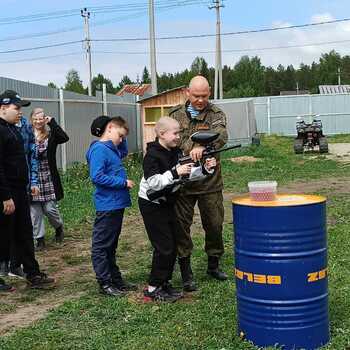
(237, 15)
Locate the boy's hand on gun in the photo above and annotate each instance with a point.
(184, 169)
(130, 184)
(210, 163)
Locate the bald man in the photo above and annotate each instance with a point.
(195, 115)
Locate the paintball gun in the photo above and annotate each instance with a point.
(206, 139)
(203, 138)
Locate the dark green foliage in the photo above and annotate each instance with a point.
(73, 82)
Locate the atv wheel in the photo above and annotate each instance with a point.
(323, 145)
(298, 146)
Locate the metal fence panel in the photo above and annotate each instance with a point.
(78, 118)
(129, 113)
(27, 89)
(79, 111)
(261, 112)
(277, 114)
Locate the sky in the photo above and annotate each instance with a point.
(116, 59)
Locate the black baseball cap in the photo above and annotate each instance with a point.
(11, 97)
(99, 124)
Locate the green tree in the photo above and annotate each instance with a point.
(124, 81)
(304, 77)
(271, 86)
(199, 66)
(240, 91)
(328, 68)
(345, 70)
(73, 82)
(52, 85)
(97, 83)
(146, 78)
(248, 75)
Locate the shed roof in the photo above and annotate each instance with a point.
(163, 93)
(334, 89)
(134, 89)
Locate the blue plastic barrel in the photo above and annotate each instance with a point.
(281, 271)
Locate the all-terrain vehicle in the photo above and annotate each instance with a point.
(309, 136)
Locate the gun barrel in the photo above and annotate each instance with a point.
(221, 150)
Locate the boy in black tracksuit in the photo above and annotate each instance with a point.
(15, 221)
(161, 170)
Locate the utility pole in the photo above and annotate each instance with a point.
(152, 41)
(339, 76)
(218, 57)
(297, 88)
(86, 15)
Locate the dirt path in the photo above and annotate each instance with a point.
(70, 264)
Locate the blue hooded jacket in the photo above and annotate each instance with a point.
(108, 175)
(30, 150)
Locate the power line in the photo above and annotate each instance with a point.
(196, 36)
(226, 51)
(96, 10)
(41, 58)
(99, 23)
(181, 52)
(42, 47)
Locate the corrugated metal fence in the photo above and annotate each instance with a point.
(277, 114)
(75, 113)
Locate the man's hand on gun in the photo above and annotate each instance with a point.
(184, 169)
(197, 153)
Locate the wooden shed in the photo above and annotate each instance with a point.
(154, 107)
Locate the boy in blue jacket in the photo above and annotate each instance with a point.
(111, 197)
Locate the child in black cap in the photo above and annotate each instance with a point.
(111, 197)
(15, 221)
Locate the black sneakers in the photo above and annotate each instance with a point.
(17, 272)
(172, 291)
(159, 295)
(59, 234)
(111, 291)
(41, 281)
(6, 288)
(123, 285)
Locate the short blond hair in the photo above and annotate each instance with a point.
(164, 124)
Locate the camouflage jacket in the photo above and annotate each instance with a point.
(211, 118)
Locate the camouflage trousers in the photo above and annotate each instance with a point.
(212, 216)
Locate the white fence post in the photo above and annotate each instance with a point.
(104, 99)
(63, 126)
(269, 115)
(310, 109)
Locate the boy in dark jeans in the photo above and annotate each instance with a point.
(162, 171)
(111, 197)
(15, 222)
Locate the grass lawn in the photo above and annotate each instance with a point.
(203, 320)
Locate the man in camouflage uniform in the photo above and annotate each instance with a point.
(195, 115)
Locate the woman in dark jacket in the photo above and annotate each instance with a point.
(48, 135)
